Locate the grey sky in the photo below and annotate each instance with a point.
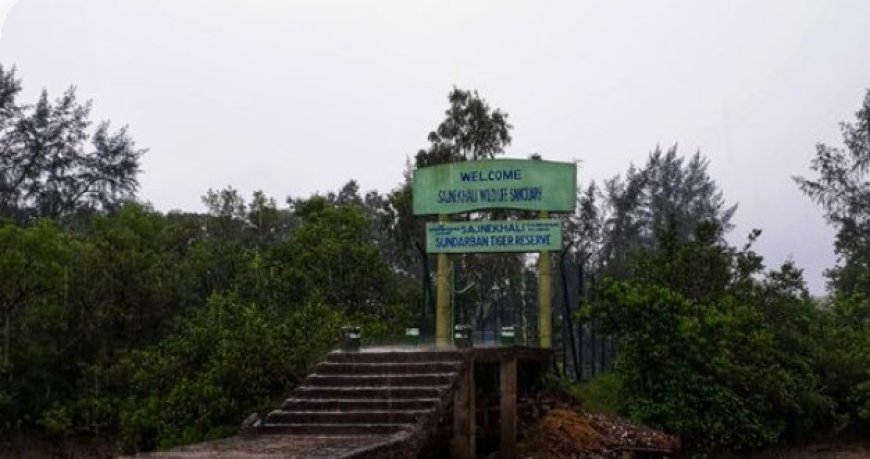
(299, 97)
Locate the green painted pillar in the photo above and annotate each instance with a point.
(545, 285)
(442, 303)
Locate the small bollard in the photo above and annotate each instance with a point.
(508, 336)
(412, 336)
(462, 336)
(350, 338)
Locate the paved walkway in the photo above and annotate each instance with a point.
(275, 446)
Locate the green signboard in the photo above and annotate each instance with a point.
(494, 236)
(495, 183)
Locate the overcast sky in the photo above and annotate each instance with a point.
(297, 97)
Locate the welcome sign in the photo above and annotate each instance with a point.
(494, 236)
(495, 183)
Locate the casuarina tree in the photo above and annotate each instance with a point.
(842, 188)
(53, 164)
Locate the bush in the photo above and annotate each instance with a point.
(224, 362)
(724, 375)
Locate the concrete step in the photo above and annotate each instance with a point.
(400, 392)
(387, 368)
(394, 357)
(346, 417)
(333, 429)
(433, 379)
(352, 404)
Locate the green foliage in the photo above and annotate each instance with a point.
(712, 346)
(709, 351)
(251, 346)
(844, 359)
(842, 188)
(670, 194)
(32, 289)
(161, 330)
(470, 130)
(601, 393)
(343, 268)
(224, 361)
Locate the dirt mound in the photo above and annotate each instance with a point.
(565, 431)
(561, 433)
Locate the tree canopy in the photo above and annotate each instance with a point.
(52, 165)
(842, 188)
(471, 130)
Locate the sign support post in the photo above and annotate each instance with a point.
(545, 283)
(442, 308)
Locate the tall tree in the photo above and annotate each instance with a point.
(842, 188)
(471, 130)
(669, 194)
(681, 193)
(47, 168)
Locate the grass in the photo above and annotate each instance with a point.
(597, 395)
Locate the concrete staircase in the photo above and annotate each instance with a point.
(400, 395)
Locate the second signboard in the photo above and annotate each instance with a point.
(494, 236)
